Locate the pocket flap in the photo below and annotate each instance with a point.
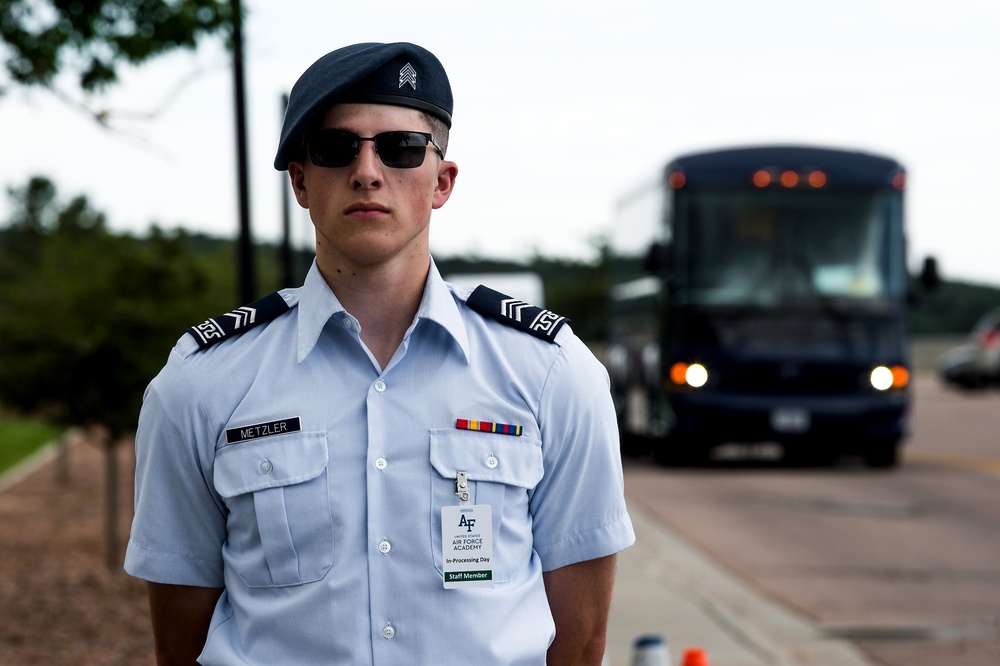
(484, 456)
(269, 463)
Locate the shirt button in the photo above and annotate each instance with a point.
(384, 547)
(492, 462)
(266, 467)
(381, 463)
(348, 324)
(388, 632)
(380, 386)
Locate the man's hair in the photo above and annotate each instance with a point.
(439, 130)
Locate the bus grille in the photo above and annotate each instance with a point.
(791, 378)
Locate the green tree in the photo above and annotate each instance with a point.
(87, 316)
(90, 39)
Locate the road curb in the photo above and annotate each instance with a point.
(666, 586)
(27, 466)
(43, 456)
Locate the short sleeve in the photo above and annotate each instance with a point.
(578, 508)
(180, 523)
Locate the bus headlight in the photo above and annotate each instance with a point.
(884, 378)
(692, 374)
(696, 375)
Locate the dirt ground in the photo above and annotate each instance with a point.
(59, 601)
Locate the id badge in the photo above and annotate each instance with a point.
(467, 545)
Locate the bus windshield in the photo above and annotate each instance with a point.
(780, 248)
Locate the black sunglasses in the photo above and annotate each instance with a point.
(398, 150)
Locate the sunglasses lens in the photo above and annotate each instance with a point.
(338, 148)
(333, 148)
(401, 150)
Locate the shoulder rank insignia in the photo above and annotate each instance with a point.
(239, 320)
(532, 319)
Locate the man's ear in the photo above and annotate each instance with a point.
(447, 173)
(297, 177)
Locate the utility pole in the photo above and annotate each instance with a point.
(247, 281)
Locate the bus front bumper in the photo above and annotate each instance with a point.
(726, 417)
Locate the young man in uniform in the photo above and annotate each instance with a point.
(378, 467)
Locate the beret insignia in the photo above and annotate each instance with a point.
(523, 316)
(238, 321)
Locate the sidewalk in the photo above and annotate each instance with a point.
(665, 586)
(59, 603)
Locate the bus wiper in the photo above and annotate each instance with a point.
(800, 261)
(783, 272)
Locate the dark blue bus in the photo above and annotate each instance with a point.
(760, 295)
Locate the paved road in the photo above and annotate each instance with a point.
(905, 564)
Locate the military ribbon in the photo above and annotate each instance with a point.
(489, 426)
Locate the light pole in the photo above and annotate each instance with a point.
(247, 281)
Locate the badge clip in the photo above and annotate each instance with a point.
(462, 487)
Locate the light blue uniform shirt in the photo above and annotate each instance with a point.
(327, 539)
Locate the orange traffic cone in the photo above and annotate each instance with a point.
(695, 657)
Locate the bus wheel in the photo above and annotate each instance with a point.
(881, 453)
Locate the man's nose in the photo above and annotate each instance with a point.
(367, 166)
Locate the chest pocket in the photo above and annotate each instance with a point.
(501, 470)
(280, 523)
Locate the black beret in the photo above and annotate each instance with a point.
(402, 74)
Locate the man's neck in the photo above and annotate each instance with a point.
(384, 299)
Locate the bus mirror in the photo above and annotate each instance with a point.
(929, 276)
(658, 258)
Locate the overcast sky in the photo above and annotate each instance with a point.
(561, 106)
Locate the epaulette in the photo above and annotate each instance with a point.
(239, 321)
(523, 316)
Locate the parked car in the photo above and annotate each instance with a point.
(976, 364)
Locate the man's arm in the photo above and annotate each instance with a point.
(181, 616)
(580, 598)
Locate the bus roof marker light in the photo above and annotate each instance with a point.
(677, 179)
(789, 178)
(761, 178)
(817, 179)
(899, 181)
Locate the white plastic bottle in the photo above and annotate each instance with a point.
(651, 650)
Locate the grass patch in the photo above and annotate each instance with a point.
(19, 438)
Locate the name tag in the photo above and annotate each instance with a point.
(467, 545)
(258, 430)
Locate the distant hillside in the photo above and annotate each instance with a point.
(954, 307)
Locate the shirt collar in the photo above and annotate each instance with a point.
(440, 306)
(318, 303)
